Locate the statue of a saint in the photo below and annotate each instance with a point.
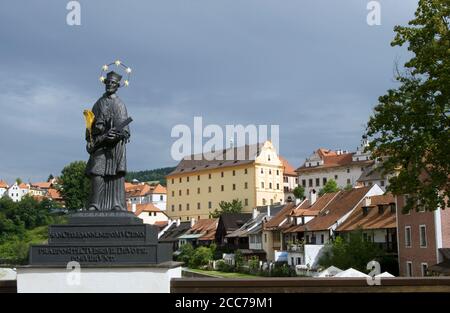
(106, 144)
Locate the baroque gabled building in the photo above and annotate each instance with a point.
(252, 174)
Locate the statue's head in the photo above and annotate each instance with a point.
(112, 82)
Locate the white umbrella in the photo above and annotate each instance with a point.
(351, 272)
(385, 274)
(330, 272)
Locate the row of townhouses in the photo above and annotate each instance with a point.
(38, 190)
(274, 225)
(297, 232)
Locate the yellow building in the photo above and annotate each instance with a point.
(252, 174)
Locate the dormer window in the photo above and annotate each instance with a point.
(393, 208)
(380, 209)
(365, 210)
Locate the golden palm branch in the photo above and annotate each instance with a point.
(89, 119)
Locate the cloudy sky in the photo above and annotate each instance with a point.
(315, 67)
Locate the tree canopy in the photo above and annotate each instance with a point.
(350, 252)
(299, 192)
(234, 206)
(411, 124)
(330, 186)
(74, 185)
(158, 174)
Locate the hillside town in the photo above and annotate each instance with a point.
(274, 225)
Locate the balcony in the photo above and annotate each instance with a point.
(296, 248)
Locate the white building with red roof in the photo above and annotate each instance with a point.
(142, 193)
(3, 187)
(17, 191)
(342, 166)
(150, 214)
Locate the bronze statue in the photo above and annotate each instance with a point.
(106, 136)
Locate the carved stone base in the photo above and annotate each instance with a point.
(102, 238)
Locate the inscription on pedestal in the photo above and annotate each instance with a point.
(93, 255)
(130, 234)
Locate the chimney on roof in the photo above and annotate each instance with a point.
(178, 222)
(133, 207)
(367, 201)
(255, 213)
(192, 222)
(312, 197)
(268, 210)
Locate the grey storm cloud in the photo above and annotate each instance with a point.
(312, 66)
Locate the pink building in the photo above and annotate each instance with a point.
(423, 238)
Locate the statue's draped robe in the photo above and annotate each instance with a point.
(107, 165)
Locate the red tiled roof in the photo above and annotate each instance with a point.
(373, 219)
(42, 185)
(144, 207)
(159, 189)
(294, 229)
(207, 227)
(142, 190)
(342, 204)
(139, 190)
(333, 159)
(23, 186)
(3, 184)
(54, 194)
(316, 207)
(275, 221)
(288, 169)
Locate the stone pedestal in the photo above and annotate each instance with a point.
(100, 252)
(102, 238)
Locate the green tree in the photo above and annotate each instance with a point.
(330, 186)
(74, 185)
(234, 206)
(201, 257)
(299, 192)
(352, 251)
(348, 187)
(19, 180)
(411, 124)
(186, 252)
(158, 174)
